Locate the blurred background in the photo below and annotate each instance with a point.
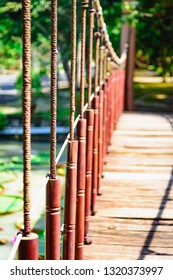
(152, 22)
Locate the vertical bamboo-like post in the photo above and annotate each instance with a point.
(80, 211)
(89, 134)
(53, 212)
(53, 187)
(105, 96)
(72, 154)
(129, 89)
(95, 155)
(89, 164)
(96, 126)
(100, 133)
(28, 248)
(70, 202)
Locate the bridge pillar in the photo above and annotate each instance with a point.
(130, 33)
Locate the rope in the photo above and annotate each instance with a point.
(102, 25)
(97, 36)
(26, 112)
(73, 70)
(105, 63)
(101, 64)
(83, 42)
(90, 51)
(54, 53)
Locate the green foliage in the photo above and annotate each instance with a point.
(36, 85)
(153, 21)
(3, 120)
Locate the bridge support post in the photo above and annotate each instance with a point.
(129, 89)
(70, 202)
(53, 219)
(28, 248)
(100, 141)
(80, 210)
(89, 165)
(95, 155)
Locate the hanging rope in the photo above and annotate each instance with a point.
(90, 51)
(54, 53)
(96, 80)
(83, 43)
(26, 112)
(73, 70)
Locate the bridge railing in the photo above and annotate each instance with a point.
(88, 139)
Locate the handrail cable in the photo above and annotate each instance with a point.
(90, 50)
(53, 88)
(73, 70)
(26, 114)
(101, 22)
(97, 46)
(83, 43)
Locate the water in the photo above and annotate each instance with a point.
(9, 223)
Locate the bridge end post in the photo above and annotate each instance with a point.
(129, 31)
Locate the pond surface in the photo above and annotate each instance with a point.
(9, 222)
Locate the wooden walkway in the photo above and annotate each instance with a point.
(134, 218)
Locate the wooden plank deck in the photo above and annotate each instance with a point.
(134, 218)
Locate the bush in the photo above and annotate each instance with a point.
(3, 120)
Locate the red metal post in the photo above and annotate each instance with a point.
(80, 211)
(28, 248)
(104, 119)
(89, 164)
(70, 202)
(95, 155)
(100, 141)
(53, 219)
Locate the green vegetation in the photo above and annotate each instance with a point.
(7, 176)
(3, 120)
(10, 204)
(154, 97)
(153, 21)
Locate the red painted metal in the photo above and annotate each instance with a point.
(53, 219)
(80, 210)
(28, 248)
(70, 202)
(95, 155)
(105, 96)
(89, 165)
(100, 141)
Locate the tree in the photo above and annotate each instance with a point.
(153, 21)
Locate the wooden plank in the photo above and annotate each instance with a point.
(135, 212)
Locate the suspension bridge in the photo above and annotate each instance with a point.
(119, 165)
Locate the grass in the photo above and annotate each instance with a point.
(153, 96)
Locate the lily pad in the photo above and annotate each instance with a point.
(7, 176)
(1, 189)
(10, 204)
